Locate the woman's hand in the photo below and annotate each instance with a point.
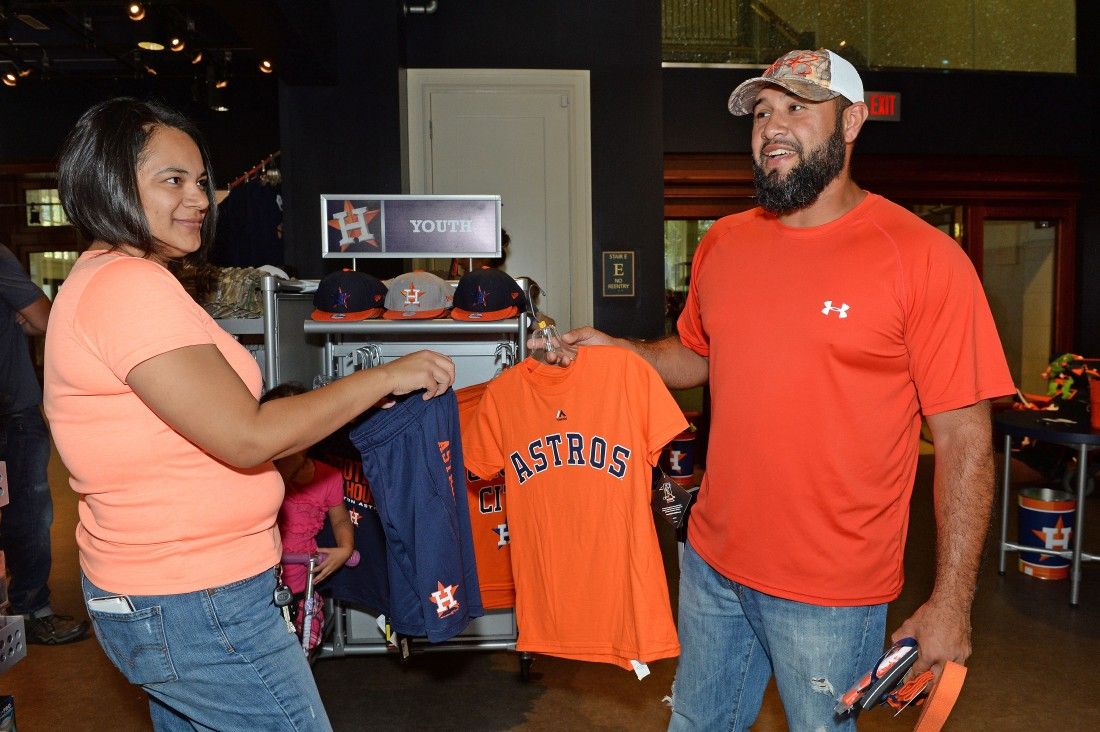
(428, 370)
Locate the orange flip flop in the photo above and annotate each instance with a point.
(941, 701)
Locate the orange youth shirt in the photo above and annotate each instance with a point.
(488, 517)
(577, 446)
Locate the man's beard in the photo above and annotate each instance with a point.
(804, 182)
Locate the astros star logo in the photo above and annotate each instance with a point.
(355, 516)
(1054, 537)
(351, 220)
(482, 297)
(412, 295)
(444, 599)
(503, 539)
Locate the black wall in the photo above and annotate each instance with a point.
(346, 136)
(36, 115)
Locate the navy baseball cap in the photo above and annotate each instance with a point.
(348, 296)
(487, 294)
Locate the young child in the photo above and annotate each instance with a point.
(313, 490)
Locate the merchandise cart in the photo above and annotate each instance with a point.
(480, 350)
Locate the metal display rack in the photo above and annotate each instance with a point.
(299, 348)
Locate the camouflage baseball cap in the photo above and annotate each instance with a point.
(814, 75)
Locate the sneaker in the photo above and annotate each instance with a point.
(53, 630)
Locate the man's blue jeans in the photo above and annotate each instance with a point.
(25, 529)
(218, 659)
(733, 638)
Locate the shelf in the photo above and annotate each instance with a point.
(435, 327)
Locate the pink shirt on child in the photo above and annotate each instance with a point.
(303, 514)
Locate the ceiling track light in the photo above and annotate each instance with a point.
(10, 78)
(135, 11)
(196, 57)
(266, 66)
(178, 42)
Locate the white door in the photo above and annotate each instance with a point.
(522, 134)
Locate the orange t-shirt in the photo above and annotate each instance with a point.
(488, 518)
(577, 446)
(157, 514)
(826, 344)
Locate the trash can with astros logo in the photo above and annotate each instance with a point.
(1046, 521)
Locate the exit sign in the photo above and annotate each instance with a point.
(884, 106)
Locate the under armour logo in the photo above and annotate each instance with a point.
(444, 599)
(560, 416)
(841, 311)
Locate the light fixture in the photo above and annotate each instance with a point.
(150, 70)
(196, 57)
(179, 40)
(10, 78)
(266, 67)
(136, 11)
(151, 45)
(217, 92)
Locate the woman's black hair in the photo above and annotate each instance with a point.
(97, 172)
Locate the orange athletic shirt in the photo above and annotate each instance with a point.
(577, 446)
(826, 344)
(488, 518)
(157, 514)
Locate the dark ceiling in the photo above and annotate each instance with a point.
(97, 39)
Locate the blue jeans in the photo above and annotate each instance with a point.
(733, 638)
(218, 659)
(25, 529)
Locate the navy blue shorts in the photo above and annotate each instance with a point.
(412, 458)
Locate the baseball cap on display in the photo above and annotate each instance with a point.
(348, 296)
(417, 296)
(487, 294)
(814, 75)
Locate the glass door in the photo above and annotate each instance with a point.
(1018, 267)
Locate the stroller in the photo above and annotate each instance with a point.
(309, 609)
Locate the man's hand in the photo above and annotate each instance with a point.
(942, 633)
(565, 351)
(334, 559)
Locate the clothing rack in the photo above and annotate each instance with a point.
(257, 168)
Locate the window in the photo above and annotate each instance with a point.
(44, 208)
(987, 35)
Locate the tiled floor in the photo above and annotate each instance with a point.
(1034, 664)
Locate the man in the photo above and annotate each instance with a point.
(827, 321)
(25, 446)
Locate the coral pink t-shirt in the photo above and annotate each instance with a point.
(826, 344)
(158, 515)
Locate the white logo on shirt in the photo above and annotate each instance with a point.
(841, 311)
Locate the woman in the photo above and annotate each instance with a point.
(154, 412)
